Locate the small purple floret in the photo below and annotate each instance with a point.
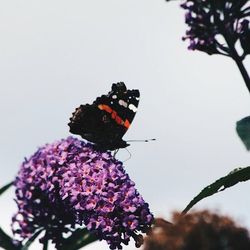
(67, 183)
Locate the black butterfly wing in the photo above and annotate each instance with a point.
(121, 105)
(86, 121)
(96, 126)
(106, 120)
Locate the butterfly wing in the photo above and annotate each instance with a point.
(87, 121)
(120, 104)
(106, 120)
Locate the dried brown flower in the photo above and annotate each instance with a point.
(198, 231)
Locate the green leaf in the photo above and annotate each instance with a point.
(234, 177)
(31, 239)
(78, 239)
(243, 131)
(4, 188)
(6, 241)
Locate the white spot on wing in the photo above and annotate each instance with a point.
(114, 96)
(123, 103)
(132, 107)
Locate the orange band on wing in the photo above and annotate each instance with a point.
(105, 107)
(126, 123)
(114, 115)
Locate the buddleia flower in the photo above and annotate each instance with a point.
(216, 26)
(67, 184)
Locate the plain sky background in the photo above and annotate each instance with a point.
(55, 55)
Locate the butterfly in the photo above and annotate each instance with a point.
(107, 119)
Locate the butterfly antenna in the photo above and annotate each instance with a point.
(129, 155)
(147, 140)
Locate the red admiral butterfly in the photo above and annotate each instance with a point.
(107, 120)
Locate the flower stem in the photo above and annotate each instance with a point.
(239, 61)
(243, 72)
(231, 45)
(45, 244)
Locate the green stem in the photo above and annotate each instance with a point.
(239, 62)
(45, 244)
(243, 72)
(6, 242)
(231, 45)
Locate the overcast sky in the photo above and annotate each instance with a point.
(55, 55)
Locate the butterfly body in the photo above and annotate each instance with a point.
(106, 120)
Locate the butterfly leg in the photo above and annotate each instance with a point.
(115, 152)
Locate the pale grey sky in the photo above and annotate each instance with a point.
(55, 55)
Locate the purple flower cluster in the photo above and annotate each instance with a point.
(68, 183)
(217, 25)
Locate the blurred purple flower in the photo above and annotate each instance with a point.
(215, 26)
(68, 183)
